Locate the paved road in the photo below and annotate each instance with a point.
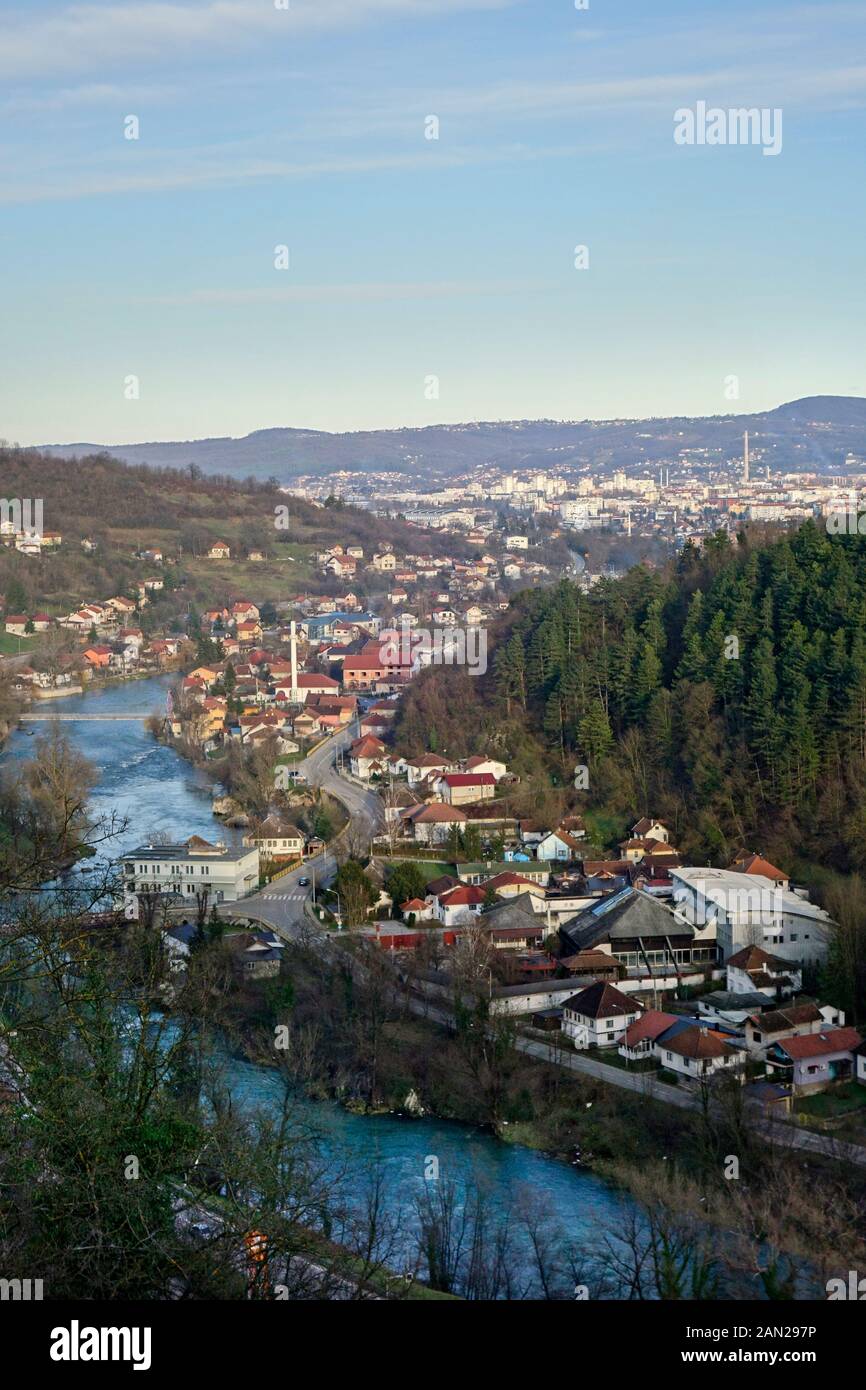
(281, 904)
(773, 1129)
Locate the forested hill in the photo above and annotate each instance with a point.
(184, 508)
(726, 694)
(124, 508)
(815, 432)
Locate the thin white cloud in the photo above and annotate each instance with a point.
(193, 175)
(83, 37)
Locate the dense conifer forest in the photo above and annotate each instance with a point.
(726, 692)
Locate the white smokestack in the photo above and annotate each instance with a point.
(294, 646)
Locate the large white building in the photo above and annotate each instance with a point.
(228, 872)
(751, 910)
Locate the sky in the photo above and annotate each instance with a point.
(429, 280)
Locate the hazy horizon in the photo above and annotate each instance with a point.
(157, 258)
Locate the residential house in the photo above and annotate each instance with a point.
(598, 1016)
(431, 825)
(812, 1062)
(638, 1039)
(220, 550)
(753, 968)
(648, 828)
(459, 905)
(557, 844)
(385, 561)
(698, 1053)
(764, 1029)
(363, 672)
(121, 605)
(480, 764)
(256, 955)
(746, 863)
(465, 788)
(418, 769)
(277, 839)
(99, 658)
(366, 755)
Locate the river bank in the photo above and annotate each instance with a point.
(343, 1041)
(148, 787)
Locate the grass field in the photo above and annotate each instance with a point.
(11, 645)
(846, 1099)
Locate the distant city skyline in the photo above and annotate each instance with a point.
(144, 298)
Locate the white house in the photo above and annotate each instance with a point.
(419, 768)
(648, 828)
(754, 970)
(459, 905)
(598, 1016)
(431, 825)
(557, 844)
(697, 1053)
(275, 839)
(225, 871)
(478, 763)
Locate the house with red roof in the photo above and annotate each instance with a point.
(558, 844)
(697, 1053)
(365, 755)
(459, 905)
(417, 907)
(98, 657)
(363, 672)
(463, 788)
(746, 863)
(431, 825)
(638, 1039)
(814, 1061)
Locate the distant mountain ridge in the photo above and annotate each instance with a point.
(813, 433)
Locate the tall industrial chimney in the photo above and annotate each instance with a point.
(294, 646)
(746, 457)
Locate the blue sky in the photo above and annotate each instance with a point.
(409, 257)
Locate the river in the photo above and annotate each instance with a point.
(153, 789)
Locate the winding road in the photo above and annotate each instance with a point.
(282, 904)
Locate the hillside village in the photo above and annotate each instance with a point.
(623, 947)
